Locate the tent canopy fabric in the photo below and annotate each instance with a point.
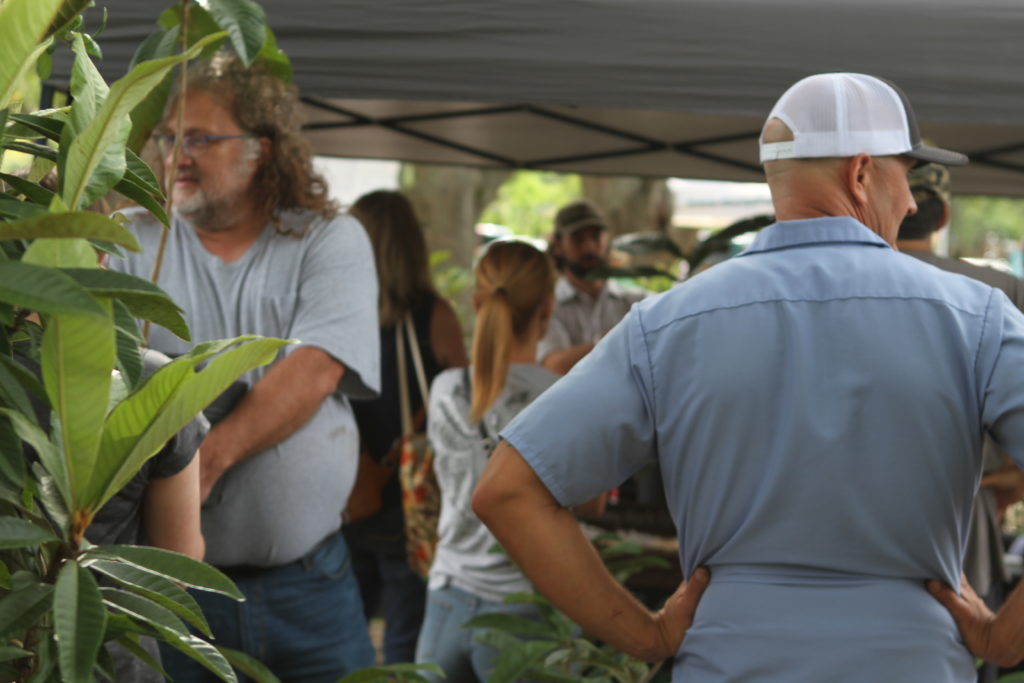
(646, 87)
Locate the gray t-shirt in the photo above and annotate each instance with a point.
(464, 558)
(318, 285)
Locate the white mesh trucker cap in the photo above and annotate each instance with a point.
(846, 114)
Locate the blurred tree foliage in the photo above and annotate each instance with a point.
(976, 217)
(527, 202)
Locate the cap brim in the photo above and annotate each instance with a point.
(937, 155)
(579, 225)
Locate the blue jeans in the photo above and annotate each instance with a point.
(304, 620)
(388, 586)
(444, 642)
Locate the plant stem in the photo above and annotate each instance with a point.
(175, 153)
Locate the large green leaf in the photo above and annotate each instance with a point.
(167, 401)
(129, 351)
(33, 191)
(85, 224)
(130, 642)
(16, 209)
(15, 383)
(45, 290)
(143, 609)
(21, 608)
(144, 299)
(160, 590)
(512, 663)
(147, 114)
(49, 126)
(69, 11)
(71, 252)
(138, 194)
(169, 564)
(244, 21)
(79, 621)
(12, 465)
(275, 59)
(24, 25)
(142, 175)
(78, 355)
(202, 652)
(19, 533)
(89, 147)
(171, 630)
(246, 664)
(89, 91)
(8, 653)
(35, 149)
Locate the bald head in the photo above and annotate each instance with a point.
(801, 188)
(871, 189)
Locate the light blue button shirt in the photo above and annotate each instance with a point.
(816, 406)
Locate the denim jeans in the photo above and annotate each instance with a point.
(444, 642)
(388, 587)
(304, 620)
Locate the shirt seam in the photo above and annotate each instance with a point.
(814, 301)
(981, 337)
(650, 369)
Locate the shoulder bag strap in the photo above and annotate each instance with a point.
(403, 382)
(417, 359)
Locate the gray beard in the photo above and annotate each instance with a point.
(209, 216)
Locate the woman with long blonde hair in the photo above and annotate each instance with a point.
(407, 296)
(468, 408)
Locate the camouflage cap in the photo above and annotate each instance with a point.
(929, 180)
(577, 215)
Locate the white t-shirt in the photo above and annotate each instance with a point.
(464, 558)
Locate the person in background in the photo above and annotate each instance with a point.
(386, 581)
(817, 405)
(257, 247)
(585, 307)
(1003, 483)
(468, 408)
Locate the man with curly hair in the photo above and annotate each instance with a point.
(256, 247)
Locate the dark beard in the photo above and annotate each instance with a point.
(583, 268)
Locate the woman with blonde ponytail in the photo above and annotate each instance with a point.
(468, 408)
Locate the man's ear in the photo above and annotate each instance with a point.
(858, 175)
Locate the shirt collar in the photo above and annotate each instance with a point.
(813, 231)
(564, 291)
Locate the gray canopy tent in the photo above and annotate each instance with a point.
(642, 87)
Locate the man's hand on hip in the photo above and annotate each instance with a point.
(676, 617)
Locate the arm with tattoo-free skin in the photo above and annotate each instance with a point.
(546, 541)
(996, 638)
(278, 404)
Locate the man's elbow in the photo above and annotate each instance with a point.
(486, 501)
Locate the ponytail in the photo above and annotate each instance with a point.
(513, 280)
(492, 347)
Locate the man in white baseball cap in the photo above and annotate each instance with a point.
(816, 406)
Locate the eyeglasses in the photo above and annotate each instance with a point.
(193, 145)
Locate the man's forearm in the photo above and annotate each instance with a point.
(279, 404)
(547, 543)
